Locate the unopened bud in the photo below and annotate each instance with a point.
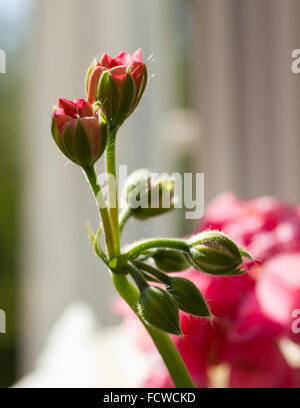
(215, 253)
(148, 197)
(188, 296)
(157, 308)
(169, 260)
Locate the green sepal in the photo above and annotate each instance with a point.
(141, 90)
(188, 296)
(102, 137)
(109, 96)
(244, 253)
(68, 141)
(158, 309)
(87, 76)
(82, 147)
(214, 257)
(126, 99)
(169, 260)
(212, 269)
(59, 140)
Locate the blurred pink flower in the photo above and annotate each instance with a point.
(252, 312)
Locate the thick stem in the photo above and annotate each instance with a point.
(112, 189)
(162, 341)
(141, 246)
(109, 238)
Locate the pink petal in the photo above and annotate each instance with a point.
(93, 82)
(137, 56)
(137, 72)
(84, 108)
(259, 365)
(279, 287)
(106, 61)
(119, 74)
(61, 119)
(123, 58)
(69, 107)
(92, 129)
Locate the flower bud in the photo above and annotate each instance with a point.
(117, 84)
(213, 252)
(169, 260)
(157, 308)
(78, 132)
(188, 297)
(148, 197)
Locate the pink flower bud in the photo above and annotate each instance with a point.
(117, 84)
(79, 132)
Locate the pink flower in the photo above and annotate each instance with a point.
(78, 131)
(117, 84)
(252, 312)
(278, 291)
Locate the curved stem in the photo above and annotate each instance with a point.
(125, 215)
(112, 189)
(109, 238)
(162, 277)
(138, 277)
(162, 341)
(140, 246)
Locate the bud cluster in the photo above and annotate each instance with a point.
(83, 130)
(209, 251)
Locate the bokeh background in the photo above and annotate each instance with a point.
(221, 99)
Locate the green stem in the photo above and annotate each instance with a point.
(141, 246)
(125, 215)
(162, 341)
(162, 277)
(138, 277)
(109, 238)
(112, 189)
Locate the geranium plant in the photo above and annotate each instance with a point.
(84, 131)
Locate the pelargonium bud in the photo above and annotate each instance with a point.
(215, 253)
(148, 197)
(79, 133)
(187, 296)
(117, 84)
(157, 308)
(169, 260)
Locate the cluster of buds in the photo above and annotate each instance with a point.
(82, 130)
(211, 252)
(114, 88)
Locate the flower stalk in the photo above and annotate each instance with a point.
(83, 131)
(113, 190)
(162, 341)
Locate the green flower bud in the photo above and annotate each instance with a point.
(169, 260)
(157, 308)
(213, 252)
(148, 197)
(188, 296)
